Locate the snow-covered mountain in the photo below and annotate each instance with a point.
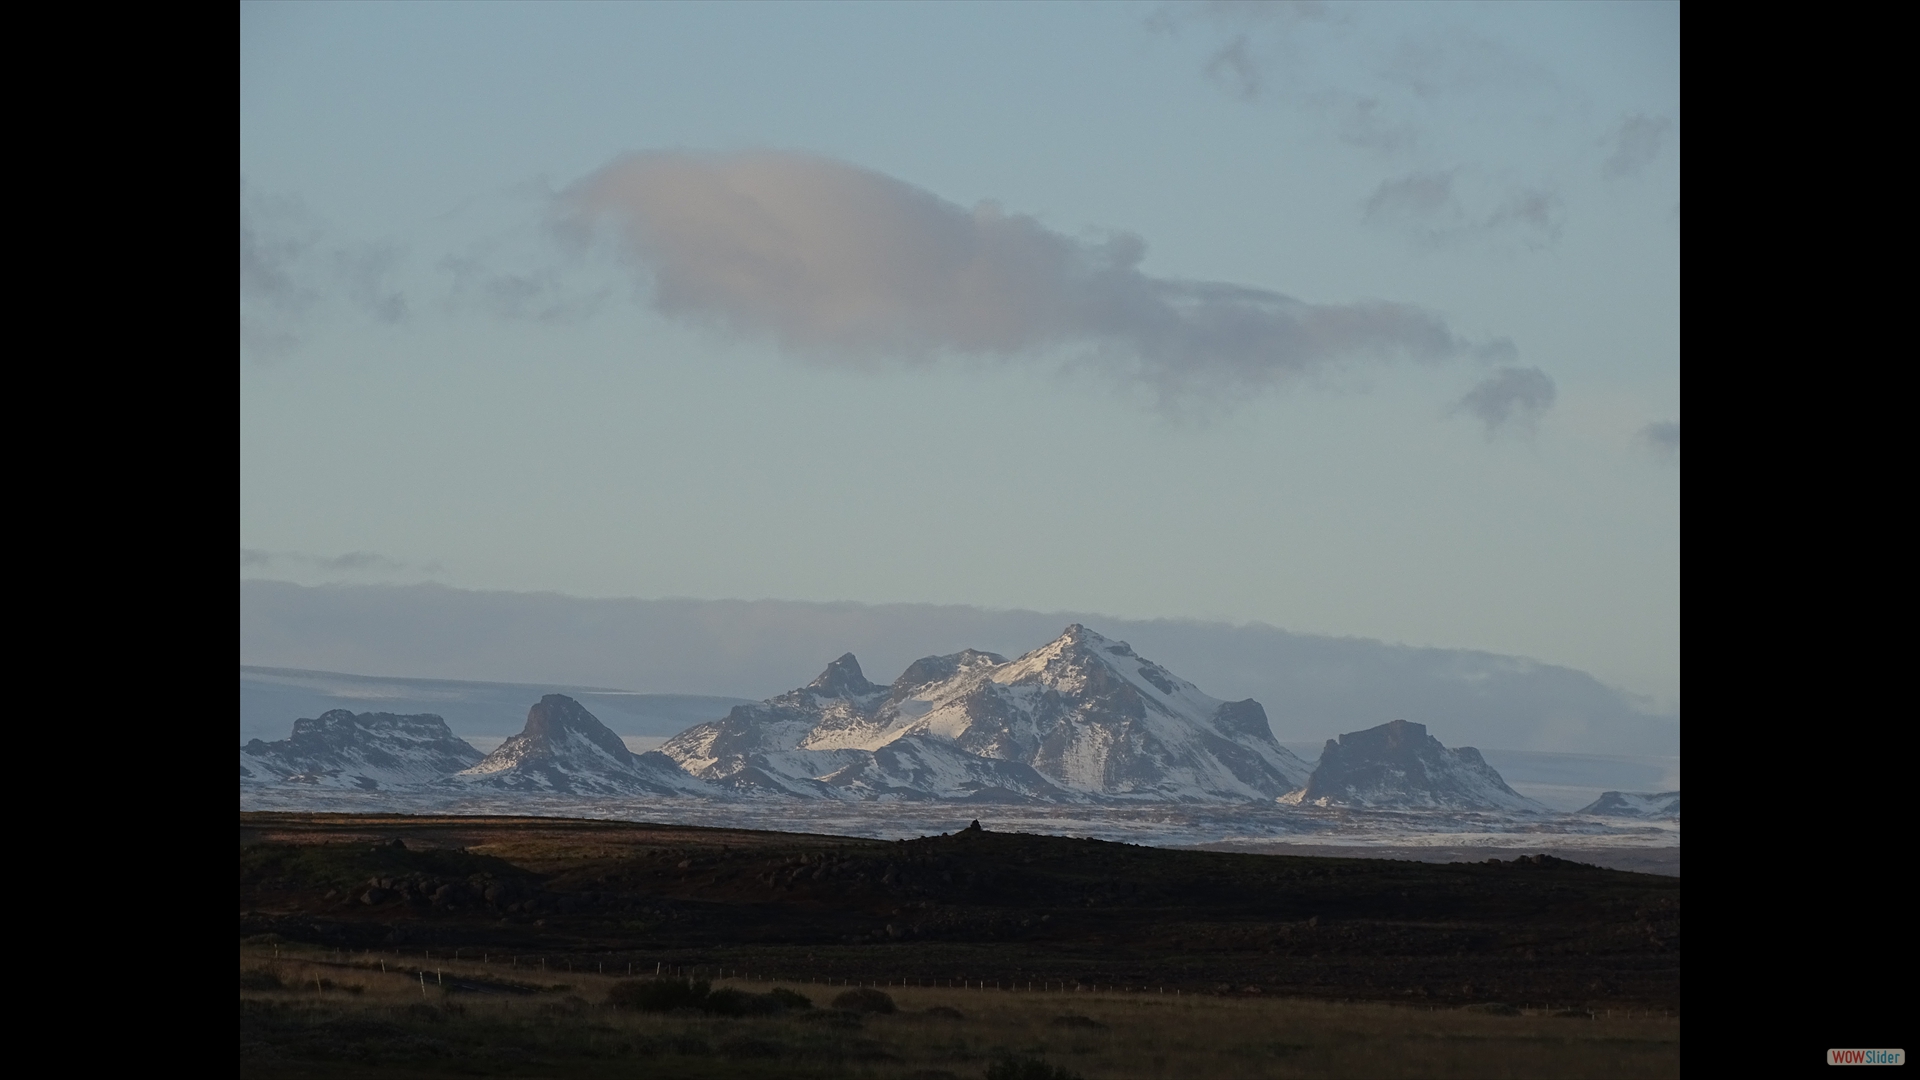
(1399, 766)
(1635, 804)
(1081, 718)
(565, 749)
(365, 751)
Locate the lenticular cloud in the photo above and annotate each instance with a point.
(838, 262)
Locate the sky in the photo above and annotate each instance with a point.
(1358, 320)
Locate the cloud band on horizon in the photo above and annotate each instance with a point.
(844, 264)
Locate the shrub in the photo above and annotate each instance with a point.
(730, 1002)
(745, 1047)
(260, 979)
(666, 995)
(833, 1018)
(865, 999)
(790, 999)
(658, 995)
(1027, 1068)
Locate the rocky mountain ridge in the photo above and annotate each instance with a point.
(359, 751)
(1080, 718)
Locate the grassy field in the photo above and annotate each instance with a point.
(1002, 907)
(310, 1012)
(387, 945)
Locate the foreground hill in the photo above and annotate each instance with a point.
(361, 751)
(1083, 717)
(975, 904)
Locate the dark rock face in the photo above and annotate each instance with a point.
(1243, 718)
(565, 749)
(842, 678)
(557, 716)
(359, 751)
(1399, 766)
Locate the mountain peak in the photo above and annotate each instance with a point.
(929, 669)
(566, 749)
(1078, 641)
(1076, 634)
(842, 678)
(557, 714)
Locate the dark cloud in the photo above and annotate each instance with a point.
(1664, 437)
(1376, 84)
(1538, 211)
(1238, 63)
(1453, 62)
(1364, 121)
(1511, 399)
(1424, 196)
(541, 293)
(360, 562)
(1428, 207)
(1633, 145)
(365, 274)
(276, 243)
(1470, 111)
(291, 268)
(845, 264)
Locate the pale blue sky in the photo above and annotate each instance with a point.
(431, 378)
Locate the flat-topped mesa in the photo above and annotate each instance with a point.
(1080, 717)
(359, 751)
(1395, 740)
(1635, 804)
(566, 749)
(1397, 765)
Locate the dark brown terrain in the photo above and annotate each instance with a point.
(973, 906)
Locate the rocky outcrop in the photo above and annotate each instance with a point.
(1399, 766)
(358, 751)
